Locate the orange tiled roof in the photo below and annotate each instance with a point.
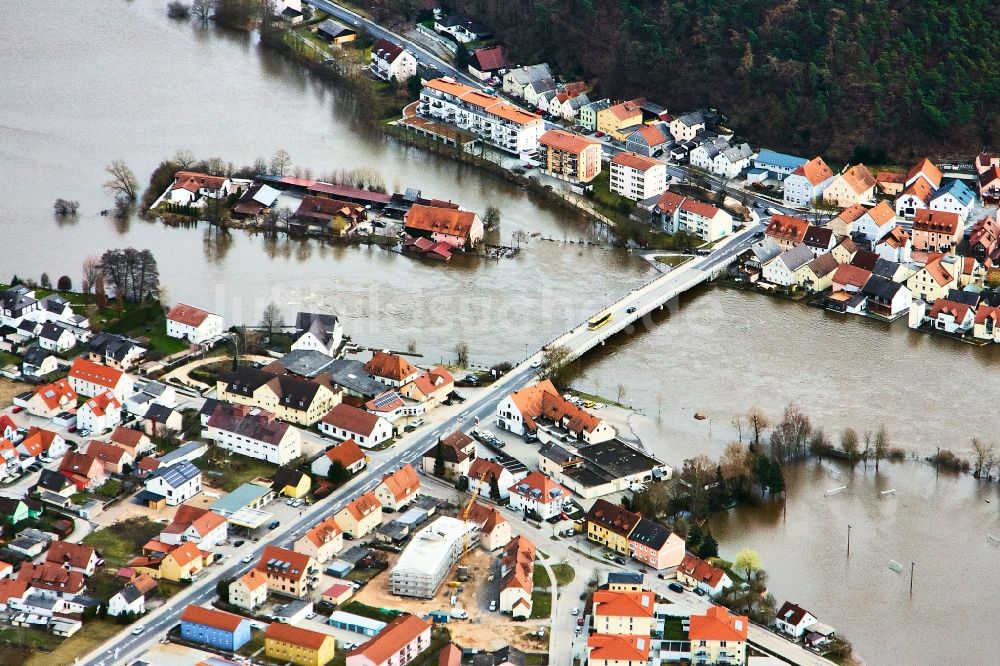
(347, 453)
(717, 624)
(919, 189)
(212, 618)
(815, 171)
(624, 604)
(324, 531)
(936, 221)
(929, 170)
(286, 633)
(95, 373)
(881, 213)
(700, 570)
(394, 637)
(859, 178)
(431, 219)
(403, 482)
(364, 505)
(566, 141)
(615, 647)
(787, 228)
(52, 394)
(633, 161)
(192, 181)
(187, 315)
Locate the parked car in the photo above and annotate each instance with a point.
(138, 629)
(579, 622)
(493, 605)
(700, 592)
(676, 587)
(630, 310)
(274, 525)
(238, 543)
(575, 611)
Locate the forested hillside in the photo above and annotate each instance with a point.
(904, 76)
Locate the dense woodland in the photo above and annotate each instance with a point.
(893, 77)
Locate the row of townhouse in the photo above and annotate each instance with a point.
(628, 533)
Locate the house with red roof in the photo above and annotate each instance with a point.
(618, 650)
(191, 187)
(482, 473)
(571, 157)
(39, 442)
(494, 530)
(398, 643)
(347, 422)
(83, 470)
(429, 388)
(538, 494)
(458, 228)
(456, 451)
(52, 581)
(623, 613)
(249, 591)
(522, 410)
(201, 526)
(398, 488)
(718, 637)
(487, 63)
(195, 325)
(99, 414)
(517, 571)
(74, 557)
(793, 620)
(952, 316)
(391, 369)
(347, 453)
(807, 183)
(936, 231)
(112, 457)
(89, 379)
(787, 231)
(49, 400)
(322, 541)
(696, 572)
(8, 429)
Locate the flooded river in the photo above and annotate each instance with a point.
(127, 83)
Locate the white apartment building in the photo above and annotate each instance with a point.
(636, 177)
(680, 213)
(254, 433)
(497, 123)
(189, 323)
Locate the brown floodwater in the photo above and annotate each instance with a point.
(96, 84)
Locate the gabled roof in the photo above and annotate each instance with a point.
(768, 157)
(787, 228)
(363, 505)
(202, 520)
(633, 161)
(624, 604)
(352, 419)
(650, 534)
(700, 570)
(489, 59)
(283, 563)
(717, 624)
(249, 422)
(286, 633)
(539, 487)
(796, 257)
(847, 274)
(394, 637)
(185, 553)
(619, 647)
(935, 268)
(347, 453)
(881, 213)
(193, 181)
(819, 237)
(567, 141)
(210, 617)
(896, 238)
(613, 517)
(81, 463)
(51, 577)
(928, 170)
(324, 531)
(881, 289)
(95, 373)
(402, 483)
(859, 179)
(390, 366)
(943, 306)
(106, 453)
(815, 171)
(484, 469)
(177, 474)
(253, 579)
(76, 555)
(918, 189)
(792, 613)
(823, 265)
(936, 221)
(188, 315)
(957, 189)
(383, 49)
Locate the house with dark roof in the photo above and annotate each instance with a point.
(290, 398)
(610, 525)
(317, 332)
(886, 298)
(336, 32)
(253, 432)
(115, 351)
(655, 545)
(793, 620)
(390, 61)
(462, 28)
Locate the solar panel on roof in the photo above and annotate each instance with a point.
(384, 400)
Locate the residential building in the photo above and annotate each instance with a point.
(361, 516)
(571, 157)
(787, 231)
(322, 541)
(876, 222)
(850, 278)
(926, 171)
(856, 185)
(430, 555)
(636, 177)
(989, 184)
(190, 188)
(254, 433)
(500, 124)
(483, 472)
(456, 453)
(128, 600)
(620, 120)
(696, 572)
(648, 140)
(782, 269)
(159, 420)
(347, 453)
(182, 562)
(463, 29)
(391, 369)
(85, 471)
(686, 127)
(494, 530)
(936, 231)
(517, 571)
(952, 316)
(346, 422)
(89, 379)
(520, 411)
(249, 591)
(52, 581)
(37, 362)
(288, 644)
(175, 484)
(318, 332)
(429, 388)
(398, 488)
(654, 545)
(886, 298)
(14, 510)
(684, 214)
(197, 525)
(729, 161)
(40, 443)
(51, 399)
(935, 278)
(398, 643)
(112, 457)
(807, 183)
(215, 628)
(392, 62)
(987, 323)
(793, 620)
(487, 63)
(718, 637)
(895, 245)
(984, 240)
(290, 398)
(588, 114)
(539, 495)
(288, 572)
(618, 650)
(293, 483)
(458, 228)
(623, 613)
(16, 303)
(99, 414)
(610, 525)
(195, 325)
(54, 337)
(954, 197)
(916, 196)
(777, 165)
(819, 240)
(148, 393)
(115, 351)
(530, 80)
(890, 184)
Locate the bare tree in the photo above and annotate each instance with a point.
(411, 347)
(880, 445)
(491, 218)
(91, 272)
(123, 183)
(739, 422)
(184, 159)
(620, 392)
(202, 10)
(849, 444)
(520, 236)
(866, 451)
(272, 318)
(733, 462)
(461, 350)
(758, 422)
(280, 162)
(983, 452)
(659, 405)
(65, 208)
(819, 444)
(555, 361)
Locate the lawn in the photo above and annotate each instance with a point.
(94, 633)
(564, 573)
(229, 471)
(673, 630)
(255, 643)
(541, 605)
(541, 577)
(120, 542)
(32, 638)
(159, 340)
(674, 260)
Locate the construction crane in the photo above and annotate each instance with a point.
(465, 515)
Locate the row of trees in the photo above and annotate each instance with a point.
(131, 274)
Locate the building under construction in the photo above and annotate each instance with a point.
(425, 562)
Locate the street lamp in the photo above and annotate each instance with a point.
(848, 541)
